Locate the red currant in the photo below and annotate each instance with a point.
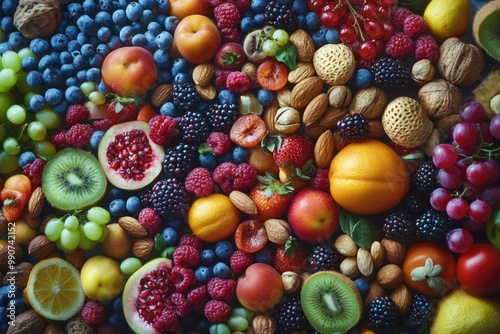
(368, 50)
(373, 29)
(368, 10)
(329, 19)
(316, 5)
(347, 34)
(384, 13)
(388, 29)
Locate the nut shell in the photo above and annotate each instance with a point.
(334, 63)
(37, 18)
(304, 44)
(323, 149)
(440, 98)
(369, 102)
(303, 92)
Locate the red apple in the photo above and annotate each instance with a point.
(129, 71)
(313, 215)
(183, 8)
(260, 288)
(197, 39)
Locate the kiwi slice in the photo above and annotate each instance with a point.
(73, 179)
(486, 28)
(331, 302)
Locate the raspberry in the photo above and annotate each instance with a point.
(222, 289)
(240, 260)
(102, 124)
(426, 47)
(167, 322)
(191, 240)
(198, 297)
(34, 172)
(76, 113)
(399, 15)
(217, 311)
(215, 3)
(79, 135)
(238, 82)
(220, 79)
(162, 129)
(399, 45)
(199, 182)
(186, 256)
(182, 278)
(223, 175)
(401, 150)
(58, 139)
(93, 312)
(150, 220)
(230, 34)
(244, 176)
(242, 5)
(219, 142)
(227, 16)
(181, 304)
(414, 25)
(321, 180)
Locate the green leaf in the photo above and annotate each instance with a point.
(363, 231)
(204, 148)
(288, 55)
(160, 243)
(347, 222)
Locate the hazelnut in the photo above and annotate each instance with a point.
(422, 71)
(264, 324)
(291, 281)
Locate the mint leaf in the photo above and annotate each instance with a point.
(160, 243)
(363, 231)
(347, 222)
(288, 55)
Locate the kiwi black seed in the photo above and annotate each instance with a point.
(73, 179)
(331, 302)
(486, 28)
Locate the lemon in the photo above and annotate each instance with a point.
(447, 18)
(459, 312)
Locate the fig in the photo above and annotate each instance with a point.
(129, 158)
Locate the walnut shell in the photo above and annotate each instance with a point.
(440, 98)
(38, 18)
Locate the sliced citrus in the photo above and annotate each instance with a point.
(54, 289)
(248, 130)
(272, 75)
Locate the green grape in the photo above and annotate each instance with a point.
(130, 265)
(3, 133)
(27, 97)
(99, 215)
(8, 77)
(237, 323)
(44, 148)
(11, 146)
(92, 230)
(36, 130)
(69, 239)
(6, 100)
(16, 114)
(269, 47)
(25, 52)
(97, 98)
(245, 313)
(10, 59)
(8, 163)
(22, 85)
(85, 243)
(49, 118)
(5, 89)
(219, 329)
(71, 223)
(280, 36)
(88, 87)
(54, 228)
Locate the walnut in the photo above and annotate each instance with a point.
(440, 98)
(37, 18)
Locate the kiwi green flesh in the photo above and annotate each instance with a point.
(486, 28)
(73, 179)
(331, 302)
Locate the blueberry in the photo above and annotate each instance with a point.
(95, 139)
(286, 2)
(163, 7)
(75, 10)
(258, 6)
(106, 5)
(104, 33)
(59, 42)
(133, 11)
(65, 57)
(207, 160)
(164, 76)
(265, 255)
(117, 208)
(247, 25)
(103, 19)
(74, 95)
(312, 21)
(180, 65)
(139, 40)
(164, 40)
(148, 4)
(93, 74)
(119, 17)
(168, 109)
(8, 25)
(53, 96)
(101, 87)
(39, 46)
(265, 97)
(259, 19)
(155, 28)
(87, 50)
(171, 23)
(133, 205)
(26, 157)
(221, 270)
(114, 193)
(126, 34)
(226, 96)
(34, 79)
(319, 37)
(72, 80)
(362, 285)
(46, 62)
(182, 78)
(61, 107)
(4, 47)
(147, 17)
(18, 304)
(37, 102)
(102, 49)
(16, 40)
(86, 25)
(207, 257)
(162, 58)
(3, 315)
(90, 7)
(29, 63)
(332, 35)
(176, 223)
(224, 249)
(240, 154)
(81, 75)
(363, 78)
(74, 47)
(300, 7)
(117, 304)
(226, 157)
(114, 42)
(202, 274)
(117, 319)
(170, 236)
(9, 7)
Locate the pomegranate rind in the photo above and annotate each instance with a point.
(131, 292)
(113, 175)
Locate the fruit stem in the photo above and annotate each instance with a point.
(356, 23)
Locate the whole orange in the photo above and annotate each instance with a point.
(213, 218)
(368, 177)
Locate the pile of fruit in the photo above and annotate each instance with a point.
(249, 166)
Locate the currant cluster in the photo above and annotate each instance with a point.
(363, 25)
(469, 167)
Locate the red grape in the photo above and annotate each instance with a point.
(492, 196)
(472, 111)
(459, 240)
(477, 173)
(494, 170)
(457, 208)
(450, 178)
(495, 126)
(444, 155)
(479, 211)
(368, 50)
(368, 10)
(485, 133)
(388, 29)
(465, 134)
(347, 34)
(316, 5)
(329, 19)
(384, 12)
(439, 198)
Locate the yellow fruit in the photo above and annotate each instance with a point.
(447, 18)
(102, 278)
(459, 312)
(213, 218)
(24, 232)
(54, 289)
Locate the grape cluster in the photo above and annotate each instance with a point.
(469, 167)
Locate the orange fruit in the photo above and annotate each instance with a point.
(54, 289)
(248, 130)
(272, 75)
(368, 177)
(147, 112)
(213, 218)
(262, 161)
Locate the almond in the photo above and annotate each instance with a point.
(390, 276)
(331, 116)
(304, 44)
(243, 202)
(323, 149)
(278, 230)
(132, 227)
(269, 116)
(365, 262)
(345, 245)
(300, 72)
(376, 129)
(283, 97)
(29, 321)
(143, 247)
(378, 253)
(315, 130)
(374, 290)
(76, 258)
(349, 267)
(32, 221)
(394, 251)
(315, 109)
(161, 94)
(36, 202)
(207, 92)
(40, 247)
(340, 142)
(402, 298)
(303, 92)
(203, 74)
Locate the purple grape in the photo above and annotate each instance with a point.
(444, 155)
(457, 208)
(439, 199)
(472, 111)
(479, 211)
(495, 126)
(465, 134)
(459, 240)
(477, 173)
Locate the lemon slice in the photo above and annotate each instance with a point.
(54, 289)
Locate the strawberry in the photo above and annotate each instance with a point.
(122, 110)
(13, 204)
(271, 197)
(296, 150)
(290, 256)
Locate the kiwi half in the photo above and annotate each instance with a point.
(73, 179)
(331, 302)
(486, 28)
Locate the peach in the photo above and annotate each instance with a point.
(260, 288)
(183, 8)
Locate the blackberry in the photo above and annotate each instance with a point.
(391, 73)
(324, 258)
(179, 160)
(353, 127)
(290, 316)
(415, 202)
(421, 312)
(280, 16)
(222, 116)
(169, 198)
(433, 225)
(382, 316)
(184, 96)
(424, 177)
(399, 226)
(194, 127)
